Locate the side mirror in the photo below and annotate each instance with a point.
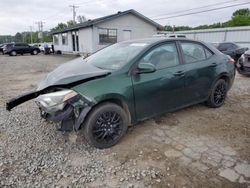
(146, 68)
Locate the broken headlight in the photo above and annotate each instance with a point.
(54, 101)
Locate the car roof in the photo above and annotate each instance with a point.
(155, 40)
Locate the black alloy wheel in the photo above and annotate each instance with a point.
(108, 127)
(105, 125)
(218, 94)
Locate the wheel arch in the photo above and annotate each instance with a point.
(118, 101)
(225, 76)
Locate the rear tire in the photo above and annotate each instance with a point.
(13, 53)
(105, 125)
(218, 94)
(35, 52)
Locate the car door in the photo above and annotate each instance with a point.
(200, 69)
(17, 47)
(27, 48)
(160, 91)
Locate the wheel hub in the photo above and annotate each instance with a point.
(107, 127)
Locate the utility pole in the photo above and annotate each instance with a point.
(40, 29)
(31, 41)
(74, 7)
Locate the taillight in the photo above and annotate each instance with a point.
(231, 61)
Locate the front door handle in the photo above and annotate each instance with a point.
(179, 73)
(213, 65)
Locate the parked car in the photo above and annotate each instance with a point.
(20, 48)
(6, 46)
(177, 36)
(1, 48)
(169, 35)
(231, 49)
(129, 82)
(243, 64)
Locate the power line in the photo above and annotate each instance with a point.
(208, 10)
(206, 6)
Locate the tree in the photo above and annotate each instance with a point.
(242, 12)
(240, 17)
(71, 23)
(18, 37)
(81, 19)
(59, 26)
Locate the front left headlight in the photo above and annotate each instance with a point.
(55, 101)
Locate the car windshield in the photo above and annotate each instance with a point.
(115, 56)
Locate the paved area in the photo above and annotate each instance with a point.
(194, 147)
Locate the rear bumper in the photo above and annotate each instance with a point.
(243, 72)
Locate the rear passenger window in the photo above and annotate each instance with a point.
(162, 56)
(194, 52)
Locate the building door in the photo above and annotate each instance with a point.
(75, 41)
(126, 35)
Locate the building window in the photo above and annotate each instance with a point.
(107, 36)
(64, 38)
(55, 39)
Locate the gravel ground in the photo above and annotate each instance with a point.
(193, 147)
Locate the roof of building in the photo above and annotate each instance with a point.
(90, 23)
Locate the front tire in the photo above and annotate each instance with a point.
(105, 125)
(13, 53)
(218, 94)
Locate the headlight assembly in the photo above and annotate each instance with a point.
(55, 100)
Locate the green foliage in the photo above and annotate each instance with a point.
(81, 19)
(240, 17)
(59, 26)
(18, 37)
(71, 23)
(242, 12)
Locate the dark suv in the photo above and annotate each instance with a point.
(20, 48)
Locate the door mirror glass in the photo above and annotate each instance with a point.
(146, 68)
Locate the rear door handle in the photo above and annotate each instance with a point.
(213, 65)
(179, 73)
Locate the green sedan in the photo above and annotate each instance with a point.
(129, 82)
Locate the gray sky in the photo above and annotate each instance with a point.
(18, 15)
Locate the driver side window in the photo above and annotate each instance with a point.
(162, 56)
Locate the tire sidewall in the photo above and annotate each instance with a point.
(13, 53)
(35, 52)
(211, 98)
(91, 119)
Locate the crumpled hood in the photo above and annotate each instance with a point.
(65, 76)
(70, 72)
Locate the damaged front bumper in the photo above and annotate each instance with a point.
(58, 105)
(70, 112)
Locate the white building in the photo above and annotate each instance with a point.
(239, 35)
(93, 35)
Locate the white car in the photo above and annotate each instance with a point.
(170, 35)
